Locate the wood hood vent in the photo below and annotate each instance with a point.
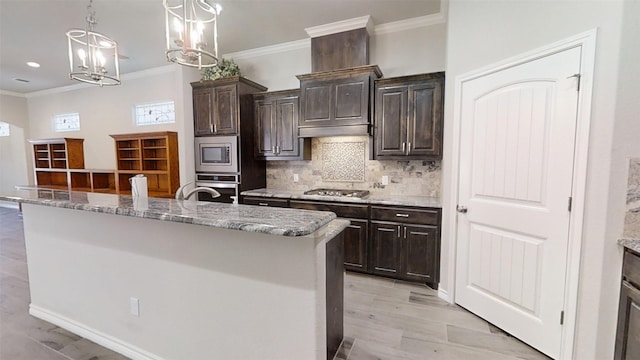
(336, 97)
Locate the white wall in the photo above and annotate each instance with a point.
(109, 110)
(484, 32)
(396, 51)
(15, 155)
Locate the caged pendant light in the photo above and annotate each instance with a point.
(93, 57)
(191, 32)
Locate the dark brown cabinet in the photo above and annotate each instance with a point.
(355, 235)
(217, 104)
(261, 201)
(337, 102)
(409, 117)
(628, 334)
(405, 243)
(276, 133)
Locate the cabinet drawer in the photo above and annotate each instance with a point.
(343, 211)
(408, 215)
(260, 201)
(631, 268)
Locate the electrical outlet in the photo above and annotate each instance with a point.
(134, 306)
(385, 180)
(296, 178)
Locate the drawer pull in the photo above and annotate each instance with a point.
(263, 204)
(402, 215)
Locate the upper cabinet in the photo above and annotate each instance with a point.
(276, 122)
(337, 102)
(217, 104)
(409, 117)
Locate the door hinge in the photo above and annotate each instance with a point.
(570, 203)
(562, 317)
(578, 78)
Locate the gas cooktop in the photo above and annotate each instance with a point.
(338, 192)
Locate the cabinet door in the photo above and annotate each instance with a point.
(202, 108)
(424, 119)
(265, 136)
(391, 123)
(420, 258)
(225, 117)
(355, 245)
(287, 127)
(351, 101)
(316, 102)
(628, 336)
(385, 248)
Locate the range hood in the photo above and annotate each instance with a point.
(336, 98)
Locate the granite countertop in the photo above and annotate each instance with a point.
(630, 243)
(402, 200)
(275, 221)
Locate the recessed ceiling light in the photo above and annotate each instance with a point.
(33, 64)
(22, 80)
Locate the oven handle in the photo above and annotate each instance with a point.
(217, 185)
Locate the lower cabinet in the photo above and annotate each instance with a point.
(628, 335)
(261, 201)
(355, 236)
(398, 242)
(406, 249)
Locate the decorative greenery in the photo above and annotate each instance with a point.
(225, 68)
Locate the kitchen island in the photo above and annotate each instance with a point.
(167, 279)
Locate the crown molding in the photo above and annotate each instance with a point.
(409, 24)
(11, 93)
(341, 26)
(268, 50)
(130, 76)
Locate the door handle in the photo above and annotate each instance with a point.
(405, 232)
(277, 149)
(408, 148)
(461, 209)
(273, 149)
(398, 230)
(403, 146)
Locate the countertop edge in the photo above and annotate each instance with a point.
(630, 243)
(314, 223)
(428, 202)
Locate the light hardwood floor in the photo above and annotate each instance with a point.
(384, 319)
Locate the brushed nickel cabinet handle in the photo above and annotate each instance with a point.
(263, 204)
(398, 230)
(408, 148)
(402, 215)
(405, 232)
(403, 146)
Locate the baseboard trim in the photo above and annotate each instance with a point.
(444, 295)
(94, 335)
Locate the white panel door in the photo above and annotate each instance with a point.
(516, 163)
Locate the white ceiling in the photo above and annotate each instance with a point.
(34, 30)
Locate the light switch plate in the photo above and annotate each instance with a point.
(134, 306)
(296, 178)
(385, 180)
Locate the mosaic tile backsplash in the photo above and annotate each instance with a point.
(632, 217)
(343, 163)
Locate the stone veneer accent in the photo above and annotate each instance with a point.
(632, 217)
(410, 178)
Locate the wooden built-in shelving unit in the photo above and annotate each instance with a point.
(154, 155)
(59, 164)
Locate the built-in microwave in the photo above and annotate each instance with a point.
(217, 154)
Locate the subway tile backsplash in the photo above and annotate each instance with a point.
(343, 163)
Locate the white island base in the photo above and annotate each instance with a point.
(200, 292)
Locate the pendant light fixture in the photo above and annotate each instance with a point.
(93, 57)
(192, 32)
